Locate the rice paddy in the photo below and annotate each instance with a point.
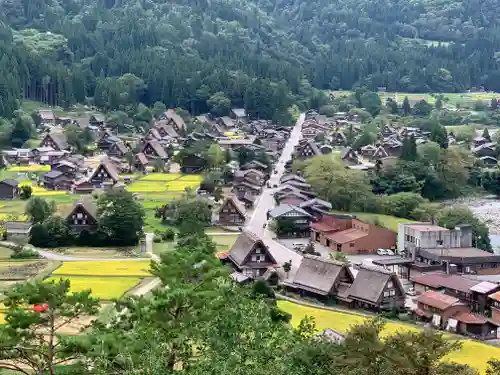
(472, 353)
(29, 168)
(103, 288)
(165, 182)
(131, 268)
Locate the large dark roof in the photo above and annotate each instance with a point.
(244, 245)
(9, 181)
(459, 255)
(370, 282)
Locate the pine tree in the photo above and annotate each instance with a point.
(406, 106)
(486, 134)
(439, 103)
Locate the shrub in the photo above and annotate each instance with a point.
(26, 192)
(157, 239)
(168, 234)
(26, 252)
(84, 238)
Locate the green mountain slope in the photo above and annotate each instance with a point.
(187, 50)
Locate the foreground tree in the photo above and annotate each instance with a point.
(38, 209)
(121, 217)
(29, 340)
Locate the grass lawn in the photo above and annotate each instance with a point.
(104, 288)
(473, 353)
(387, 221)
(224, 242)
(161, 247)
(5, 253)
(133, 268)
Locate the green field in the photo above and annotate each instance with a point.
(453, 98)
(473, 353)
(386, 221)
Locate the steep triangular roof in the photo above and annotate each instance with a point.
(370, 283)
(244, 246)
(234, 202)
(87, 204)
(108, 166)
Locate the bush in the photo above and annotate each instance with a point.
(157, 239)
(168, 234)
(84, 238)
(26, 192)
(26, 252)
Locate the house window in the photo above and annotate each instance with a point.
(351, 244)
(339, 247)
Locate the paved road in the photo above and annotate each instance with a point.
(266, 202)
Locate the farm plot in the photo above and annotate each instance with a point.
(474, 354)
(161, 177)
(141, 186)
(104, 288)
(29, 168)
(190, 181)
(130, 268)
(40, 191)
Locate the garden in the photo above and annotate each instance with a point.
(472, 353)
(165, 182)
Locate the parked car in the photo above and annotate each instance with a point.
(389, 252)
(411, 292)
(298, 246)
(382, 252)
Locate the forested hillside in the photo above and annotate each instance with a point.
(264, 54)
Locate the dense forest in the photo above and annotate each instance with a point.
(262, 54)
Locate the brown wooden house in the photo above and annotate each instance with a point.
(154, 150)
(231, 212)
(105, 174)
(57, 141)
(57, 180)
(117, 149)
(83, 216)
(250, 256)
(9, 189)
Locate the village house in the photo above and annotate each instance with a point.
(473, 293)
(376, 289)
(292, 177)
(231, 212)
(164, 129)
(106, 140)
(311, 128)
(82, 186)
(253, 176)
(117, 149)
(154, 150)
(349, 156)
(486, 149)
(298, 218)
(316, 207)
(250, 256)
(489, 161)
(9, 189)
(83, 216)
(321, 278)
(47, 116)
(97, 120)
(105, 175)
(349, 235)
(380, 153)
(175, 120)
(494, 302)
(57, 141)
(57, 180)
(68, 168)
(294, 198)
(239, 114)
(449, 313)
(18, 231)
(479, 141)
(255, 164)
(194, 163)
(339, 138)
(245, 187)
(307, 149)
(368, 151)
(141, 162)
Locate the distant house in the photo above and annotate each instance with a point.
(489, 161)
(300, 219)
(20, 230)
(231, 212)
(174, 119)
(380, 153)
(331, 336)
(226, 123)
(239, 114)
(307, 149)
(368, 150)
(348, 155)
(255, 164)
(118, 149)
(376, 289)
(245, 187)
(57, 180)
(141, 162)
(449, 313)
(339, 138)
(57, 141)
(321, 278)
(154, 150)
(194, 163)
(47, 116)
(97, 120)
(250, 256)
(326, 149)
(9, 189)
(83, 216)
(294, 198)
(350, 235)
(105, 174)
(253, 176)
(106, 141)
(83, 186)
(66, 167)
(485, 149)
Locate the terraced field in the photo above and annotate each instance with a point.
(105, 268)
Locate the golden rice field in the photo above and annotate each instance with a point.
(29, 168)
(132, 268)
(472, 353)
(6, 216)
(147, 187)
(104, 288)
(161, 177)
(40, 191)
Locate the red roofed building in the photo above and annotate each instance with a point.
(350, 235)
